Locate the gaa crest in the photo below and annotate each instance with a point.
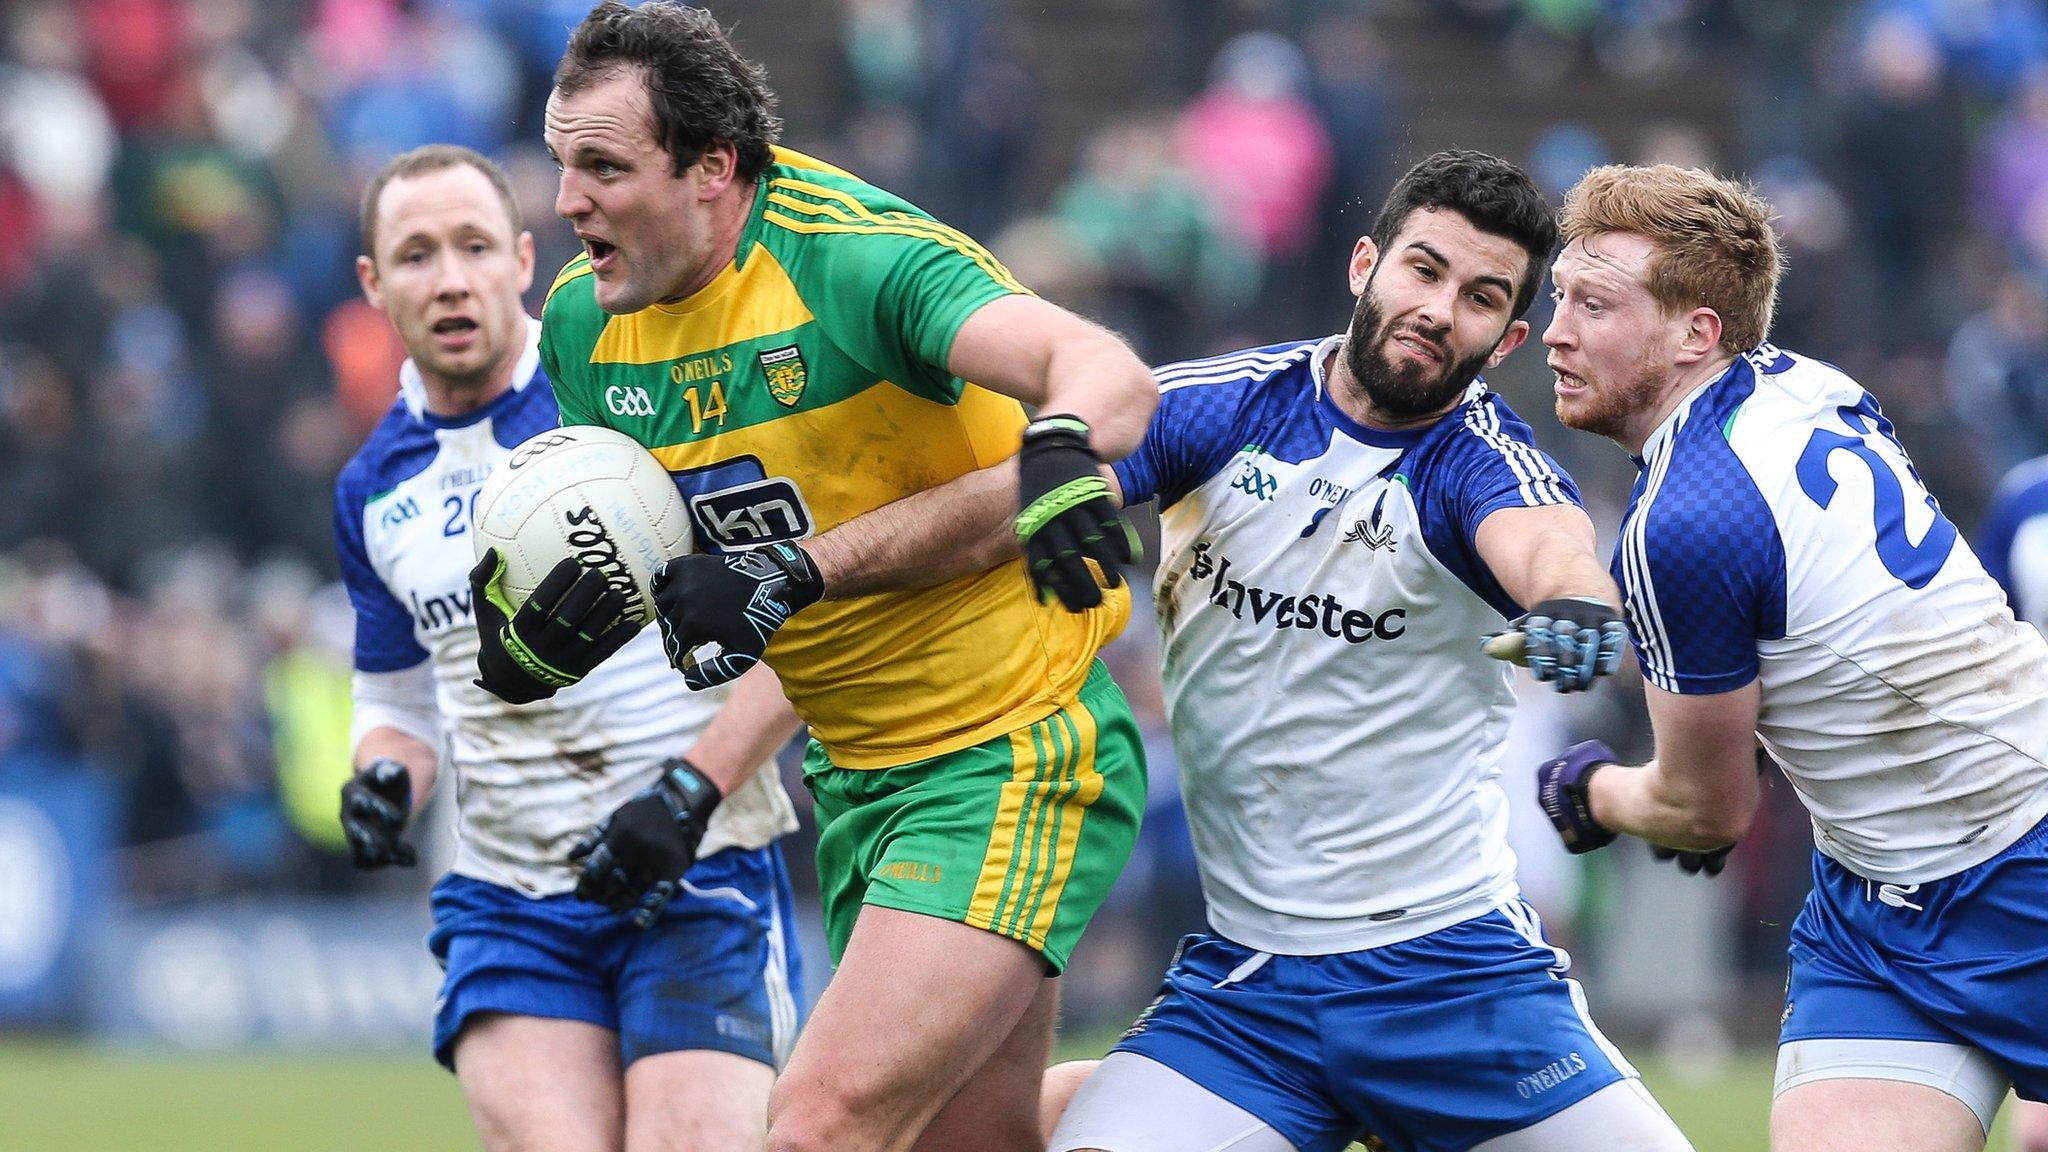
(786, 376)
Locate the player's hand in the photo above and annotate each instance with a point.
(1067, 515)
(1694, 863)
(1561, 787)
(375, 804)
(1566, 643)
(634, 862)
(736, 601)
(572, 623)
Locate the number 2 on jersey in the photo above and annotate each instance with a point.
(1912, 564)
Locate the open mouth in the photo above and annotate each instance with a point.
(454, 325)
(601, 253)
(1421, 348)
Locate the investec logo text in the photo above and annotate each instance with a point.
(1326, 614)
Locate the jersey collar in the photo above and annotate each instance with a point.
(1661, 437)
(413, 390)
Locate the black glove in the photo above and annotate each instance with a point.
(737, 601)
(572, 623)
(1067, 516)
(1570, 642)
(375, 804)
(1561, 788)
(634, 861)
(1694, 863)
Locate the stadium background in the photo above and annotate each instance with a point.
(186, 962)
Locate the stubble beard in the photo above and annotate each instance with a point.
(1607, 409)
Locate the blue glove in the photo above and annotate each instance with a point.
(1569, 643)
(737, 600)
(634, 862)
(1561, 789)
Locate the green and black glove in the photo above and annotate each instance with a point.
(1068, 516)
(572, 623)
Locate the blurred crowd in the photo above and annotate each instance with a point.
(185, 361)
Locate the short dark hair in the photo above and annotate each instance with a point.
(1494, 195)
(702, 89)
(419, 162)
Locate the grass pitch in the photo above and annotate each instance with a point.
(62, 1097)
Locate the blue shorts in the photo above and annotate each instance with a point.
(718, 971)
(1960, 960)
(1433, 1044)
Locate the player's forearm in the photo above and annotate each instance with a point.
(754, 724)
(1094, 375)
(1562, 565)
(420, 760)
(927, 538)
(1545, 553)
(1666, 808)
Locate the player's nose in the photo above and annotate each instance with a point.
(571, 202)
(451, 275)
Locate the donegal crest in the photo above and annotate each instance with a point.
(786, 376)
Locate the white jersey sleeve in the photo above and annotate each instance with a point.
(528, 780)
(1779, 533)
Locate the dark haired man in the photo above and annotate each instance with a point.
(569, 1026)
(798, 348)
(1342, 519)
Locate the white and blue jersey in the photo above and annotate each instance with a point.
(2014, 543)
(1321, 603)
(1779, 534)
(529, 779)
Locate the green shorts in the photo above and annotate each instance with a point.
(1021, 835)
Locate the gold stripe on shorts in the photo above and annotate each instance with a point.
(991, 888)
(1081, 788)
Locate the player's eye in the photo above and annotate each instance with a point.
(416, 256)
(1425, 271)
(605, 168)
(478, 247)
(1484, 300)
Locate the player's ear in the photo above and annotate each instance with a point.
(1702, 336)
(366, 276)
(524, 248)
(719, 166)
(1364, 255)
(1509, 341)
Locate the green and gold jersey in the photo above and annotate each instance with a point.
(804, 386)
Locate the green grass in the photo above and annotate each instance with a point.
(59, 1097)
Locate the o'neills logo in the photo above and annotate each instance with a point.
(1550, 1076)
(593, 547)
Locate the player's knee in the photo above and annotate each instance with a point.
(812, 1119)
(1061, 1082)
